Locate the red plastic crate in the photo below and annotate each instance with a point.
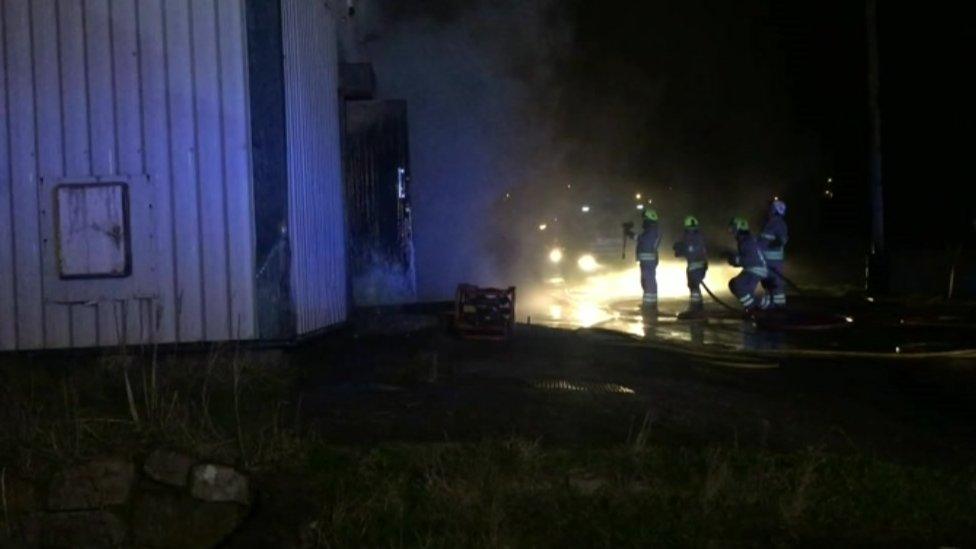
(484, 313)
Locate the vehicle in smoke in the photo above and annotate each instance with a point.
(587, 236)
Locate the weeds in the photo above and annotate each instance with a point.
(219, 404)
(642, 437)
(227, 405)
(471, 494)
(797, 503)
(716, 476)
(3, 498)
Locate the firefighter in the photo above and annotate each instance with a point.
(692, 248)
(750, 258)
(647, 246)
(773, 239)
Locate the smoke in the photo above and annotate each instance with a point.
(522, 110)
(478, 80)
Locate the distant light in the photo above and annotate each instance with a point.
(830, 180)
(897, 349)
(870, 299)
(555, 312)
(849, 320)
(569, 186)
(543, 226)
(640, 206)
(649, 201)
(637, 196)
(585, 209)
(829, 193)
(556, 255)
(508, 195)
(587, 263)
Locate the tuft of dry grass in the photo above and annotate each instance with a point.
(226, 403)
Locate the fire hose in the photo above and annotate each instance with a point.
(787, 280)
(717, 300)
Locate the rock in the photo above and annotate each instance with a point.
(92, 529)
(168, 467)
(94, 485)
(219, 483)
(167, 519)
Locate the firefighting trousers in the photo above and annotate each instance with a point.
(648, 271)
(774, 284)
(743, 287)
(696, 274)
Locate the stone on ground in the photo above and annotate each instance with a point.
(219, 483)
(169, 467)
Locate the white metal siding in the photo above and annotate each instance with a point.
(315, 204)
(150, 91)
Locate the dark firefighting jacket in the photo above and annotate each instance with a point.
(773, 238)
(749, 255)
(648, 242)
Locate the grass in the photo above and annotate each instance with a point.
(245, 409)
(227, 405)
(515, 493)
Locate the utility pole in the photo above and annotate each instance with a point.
(877, 271)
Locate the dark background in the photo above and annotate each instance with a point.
(926, 123)
(709, 107)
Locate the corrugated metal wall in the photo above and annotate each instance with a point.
(315, 200)
(148, 91)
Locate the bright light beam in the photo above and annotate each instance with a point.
(587, 263)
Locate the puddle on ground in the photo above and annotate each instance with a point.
(611, 302)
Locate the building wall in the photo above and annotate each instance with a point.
(275, 318)
(151, 93)
(315, 201)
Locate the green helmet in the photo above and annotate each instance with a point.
(739, 224)
(650, 214)
(691, 222)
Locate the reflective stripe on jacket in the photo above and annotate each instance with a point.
(774, 237)
(695, 247)
(647, 244)
(750, 256)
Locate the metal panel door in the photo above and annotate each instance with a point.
(377, 189)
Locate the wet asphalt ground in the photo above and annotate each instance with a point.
(718, 379)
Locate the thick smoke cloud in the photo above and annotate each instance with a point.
(700, 105)
(474, 75)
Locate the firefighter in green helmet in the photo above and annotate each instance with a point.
(647, 255)
(692, 248)
(750, 258)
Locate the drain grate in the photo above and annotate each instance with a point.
(566, 386)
